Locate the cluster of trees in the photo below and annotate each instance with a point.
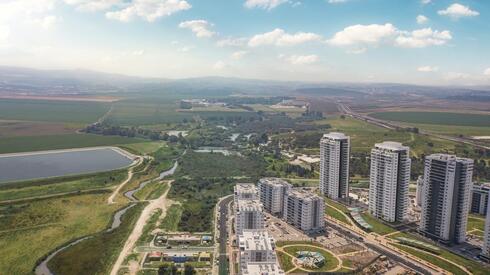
(132, 132)
(171, 269)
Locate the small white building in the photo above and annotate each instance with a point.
(271, 194)
(256, 246)
(249, 215)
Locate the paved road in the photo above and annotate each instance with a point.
(223, 235)
(381, 250)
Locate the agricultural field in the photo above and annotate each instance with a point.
(30, 230)
(438, 118)
(17, 128)
(52, 111)
(56, 142)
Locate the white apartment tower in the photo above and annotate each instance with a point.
(271, 194)
(388, 181)
(479, 199)
(334, 165)
(419, 194)
(485, 253)
(304, 210)
(447, 190)
(249, 216)
(256, 246)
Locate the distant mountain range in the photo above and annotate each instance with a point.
(16, 80)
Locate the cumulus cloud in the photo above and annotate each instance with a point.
(47, 22)
(428, 69)
(423, 38)
(422, 19)
(232, 42)
(149, 10)
(279, 37)
(264, 4)
(93, 5)
(457, 11)
(238, 54)
(301, 59)
(199, 27)
(4, 33)
(487, 72)
(219, 65)
(31, 13)
(425, 2)
(363, 36)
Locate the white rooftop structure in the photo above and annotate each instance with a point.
(256, 240)
(263, 269)
(245, 191)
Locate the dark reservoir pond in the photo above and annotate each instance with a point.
(27, 166)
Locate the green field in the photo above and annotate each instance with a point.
(53, 111)
(56, 142)
(30, 230)
(51, 186)
(377, 226)
(439, 118)
(171, 221)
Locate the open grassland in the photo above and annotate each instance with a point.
(171, 221)
(468, 131)
(364, 136)
(144, 148)
(377, 226)
(334, 213)
(51, 186)
(152, 190)
(56, 142)
(98, 254)
(52, 111)
(28, 231)
(15, 128)
(136, 113)
(285, 261)
(476, 222)
(438, 118)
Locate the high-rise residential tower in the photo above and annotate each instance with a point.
(249, 215)
(388, 181)
(271, 194)
(446, 201)
(334, 165)
(479, 199)
(304, 210)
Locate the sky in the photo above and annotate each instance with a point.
(434, 42)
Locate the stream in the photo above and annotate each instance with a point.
(42, 268)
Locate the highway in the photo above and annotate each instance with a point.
(392, 126)
(223, 235)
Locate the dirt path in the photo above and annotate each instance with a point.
(160, 203)
(110, 200)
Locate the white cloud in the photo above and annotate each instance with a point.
(232, 42)
(279, 37)
(238, 55)
(487, 72)
(185, 49)
(300, 59)
(264, 4)
(93, 5)
(363, 34)
(4, 34)
(336, 1)
(428, 69)
(357, 51)
(457, 10)
(199, 27)
(149, 10)
(422, 38)
(425, 2)
(220, 65)
(422, 19)
(47, 22)
(138, 52)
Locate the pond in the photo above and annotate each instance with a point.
(35, 165)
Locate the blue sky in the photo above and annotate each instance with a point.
(408, 41)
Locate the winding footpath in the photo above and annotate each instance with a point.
(110, 200)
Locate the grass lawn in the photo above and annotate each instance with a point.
(153, 189)
(330, 261)
(144, 148)
(55, 142)
(30, 230)
(171, 221)
(377, 225)
(336, 214)
(96, 255)
(285, 261)
(476, 222)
